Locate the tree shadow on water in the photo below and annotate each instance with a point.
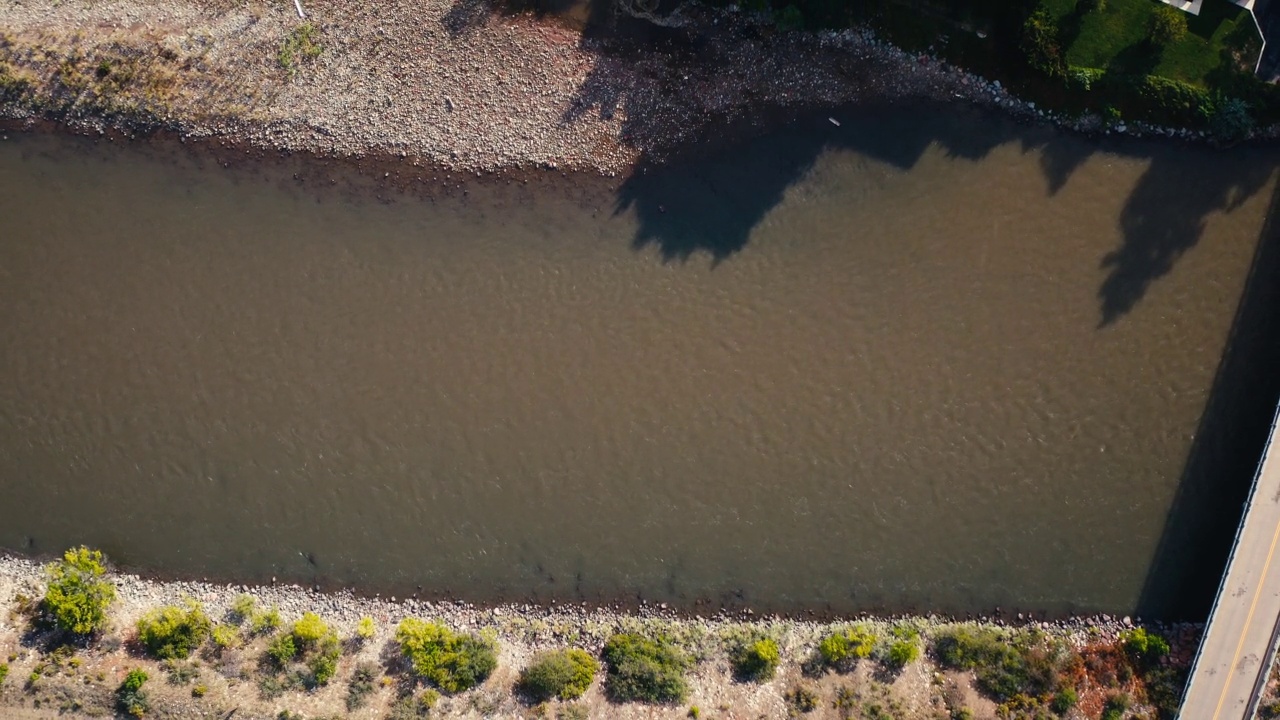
(710, 203)
(1165, 216)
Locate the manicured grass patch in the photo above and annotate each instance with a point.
(1116, 38)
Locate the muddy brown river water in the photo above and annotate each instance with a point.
(927, 359)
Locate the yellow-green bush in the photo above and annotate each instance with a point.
(843, 646)
(564, 674)
(173, 631)
(78, 594)
(756, 661)
(451, 661)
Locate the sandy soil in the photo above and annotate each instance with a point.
(443, 82)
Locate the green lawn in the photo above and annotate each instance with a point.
(1115, 39)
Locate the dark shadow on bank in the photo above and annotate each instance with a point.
(1191, 556)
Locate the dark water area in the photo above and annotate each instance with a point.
(927, 359)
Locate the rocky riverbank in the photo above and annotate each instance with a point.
(449, 84)
(45, 681)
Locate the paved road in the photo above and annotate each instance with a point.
(1237, 647)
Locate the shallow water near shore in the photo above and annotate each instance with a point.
(926, 359)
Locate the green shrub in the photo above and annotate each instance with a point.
(842, 646)
(4, 672)
(282, 650)
(78, 594)
(1168, 25)
(1231, 120)
(790, 18)
(645, 670)
(563, 674)
(311, 641)
(1143, 647)
(904, 647)
(1064, 700)
(265, 621)
(323, 663)
(225, 636)
(756, 661)
(902, 653)
(172, 631)
(1041, 45)
(199, 691)
(1165, 684)
(309, 630)
(365, 629)
(361, 685)
(451, 661)
(1115, 707)
(131, 699)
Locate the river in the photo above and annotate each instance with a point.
(924, 359)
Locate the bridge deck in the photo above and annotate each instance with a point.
(1235, 654)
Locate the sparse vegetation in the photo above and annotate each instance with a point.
(78, 594)
(802, 699)
(563, 674)
(361, 685)
(452, 662)
(263, 622)
(645, 669)
(242, 609)
(172, 631)
(179, 672)
(1004, 669)
(408, 707)
(302, 43)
